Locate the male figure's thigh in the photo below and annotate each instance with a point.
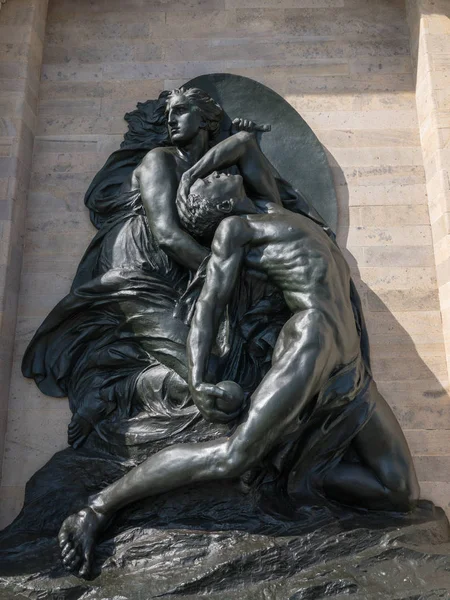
(382, 446)
(304, 357)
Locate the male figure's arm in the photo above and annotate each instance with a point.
(158, 185)
(222, 273)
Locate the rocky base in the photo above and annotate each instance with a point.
(217, 542)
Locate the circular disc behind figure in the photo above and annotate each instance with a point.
(291, 145)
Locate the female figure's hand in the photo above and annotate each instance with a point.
(184, 187)
(248, 125)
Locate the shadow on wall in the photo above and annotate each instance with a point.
(411, 388)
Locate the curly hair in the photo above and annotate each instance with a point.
(210, 110)
(203, 215)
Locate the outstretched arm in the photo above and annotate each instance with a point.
(223, 270)
(241, 149)
(158, 185)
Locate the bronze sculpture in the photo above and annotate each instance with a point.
(318, 374)
(155, 325)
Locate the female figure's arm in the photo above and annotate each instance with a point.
(242, 150)
(158, 185)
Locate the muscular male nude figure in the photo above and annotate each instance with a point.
(320, 338)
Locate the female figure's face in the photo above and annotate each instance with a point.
(184, 120)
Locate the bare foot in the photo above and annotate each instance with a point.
(78, 431)
(77, 538)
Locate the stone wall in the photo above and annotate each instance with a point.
(430, 41)
(22, 26)
(345, 65)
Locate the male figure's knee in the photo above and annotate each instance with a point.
(233, 462)
(403, 491)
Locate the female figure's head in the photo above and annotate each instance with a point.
(188, 112)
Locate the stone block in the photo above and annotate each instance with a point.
(324, 4)
(17, 15)
(424, 442)
(379, 156)
(68, 90)
(441, 227)
(62, 182)
(64, 144)
(6, 210)
(49, 126)
(383, 216)
(414, 235)
(25, 329)
(438, 205)
(40, 283)
(85, 30)
(13, 52)
(60, 72)
(437, 492)
(438, 184)
(444, 295)
(386, 175)
(411, 368)
(439, 466)
(55, 244)
(443, 272)
(67, 162)
(398, 256)
(385, 64)
(314, 102)
(13, 70)
(402, 100)
(405, 321)
(367, 22)
(424, 414)
(381, 195)
(11, 504)
(89, 107)
(440, 80)
(28, 430)
(374, 119)
(102, 51)
(133, 91)
(373, 48)
(393, 278)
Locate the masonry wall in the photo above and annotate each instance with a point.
(345, 65)
(22, 26)
(430, 40)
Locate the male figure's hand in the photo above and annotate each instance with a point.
(205, 396)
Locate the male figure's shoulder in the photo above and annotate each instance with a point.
(232, 234)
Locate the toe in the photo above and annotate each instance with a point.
(66, 549)
(63, 537)
(71, 565)
(86, 568)
(67, 559)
